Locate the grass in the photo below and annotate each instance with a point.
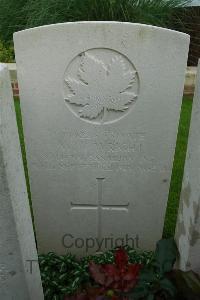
(23, 149)
(178, 167)
(154, 12)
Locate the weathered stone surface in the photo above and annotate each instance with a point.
(188, 224)
(100, 104)
(190, 78)
(17, 243)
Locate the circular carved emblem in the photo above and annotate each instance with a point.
(101, 85)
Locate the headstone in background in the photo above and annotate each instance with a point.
(100, 104)
(17, 243)
(188, 224)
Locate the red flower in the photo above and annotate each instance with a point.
(121, 258)
(119, 276)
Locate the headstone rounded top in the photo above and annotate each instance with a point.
(102, 24)
(100, 104)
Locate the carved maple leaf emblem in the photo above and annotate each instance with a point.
(100, 87)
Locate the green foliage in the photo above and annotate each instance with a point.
(64, 275)
(6, 53)
(142, 11)
(153, 281)
(61, 275)
(165, 255)
(12, 18)
(21, 14)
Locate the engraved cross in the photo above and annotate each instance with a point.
(99, 206)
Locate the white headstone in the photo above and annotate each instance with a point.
(188, 224)
(17, 243)
(100, 104)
